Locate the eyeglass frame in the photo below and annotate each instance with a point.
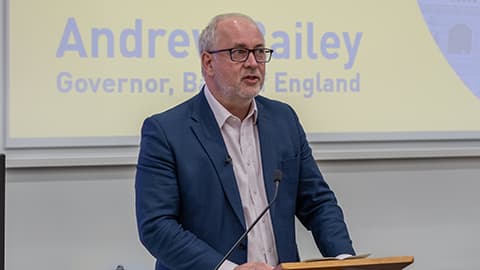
(230, 50)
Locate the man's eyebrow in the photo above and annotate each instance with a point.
(242, 45)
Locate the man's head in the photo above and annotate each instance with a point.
(233, 56)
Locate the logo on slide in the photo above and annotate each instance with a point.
(455, 27)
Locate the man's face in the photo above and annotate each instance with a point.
(237, 81)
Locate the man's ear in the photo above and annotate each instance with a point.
(207, 60)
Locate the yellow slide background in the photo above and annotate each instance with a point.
(406, 84)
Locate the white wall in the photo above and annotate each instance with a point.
(427, 208)
(83, 217)
(72, 218)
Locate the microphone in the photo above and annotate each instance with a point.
(228, 159)
(277, 177)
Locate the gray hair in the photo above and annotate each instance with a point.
(208, 37)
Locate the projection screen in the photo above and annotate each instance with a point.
(86, 73)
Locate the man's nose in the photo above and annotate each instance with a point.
(251, 60)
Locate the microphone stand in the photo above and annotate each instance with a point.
(278, 176)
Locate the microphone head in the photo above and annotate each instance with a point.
(277, 175)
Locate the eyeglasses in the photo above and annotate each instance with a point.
(262, 55)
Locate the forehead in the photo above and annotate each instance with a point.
(238, 31)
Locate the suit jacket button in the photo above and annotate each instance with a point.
(242, 246)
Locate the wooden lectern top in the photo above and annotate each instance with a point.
(387, 263)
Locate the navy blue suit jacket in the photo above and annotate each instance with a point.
(188, 205)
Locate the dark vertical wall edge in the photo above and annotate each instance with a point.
(2, 211)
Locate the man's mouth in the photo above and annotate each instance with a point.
(251, 78)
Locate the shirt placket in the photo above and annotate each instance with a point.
(249, 155)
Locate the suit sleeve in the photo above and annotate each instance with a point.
(158, 206)
(317, 206)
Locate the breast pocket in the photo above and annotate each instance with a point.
(290, 169)
(289, 184)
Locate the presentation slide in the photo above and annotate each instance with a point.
(88, 72)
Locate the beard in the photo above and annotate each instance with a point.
(243, 89)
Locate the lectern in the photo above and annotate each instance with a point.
(387, 263)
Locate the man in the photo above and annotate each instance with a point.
(206, 167)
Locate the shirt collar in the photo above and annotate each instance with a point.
(222, 114)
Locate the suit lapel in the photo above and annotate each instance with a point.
(267, 135)
(208, 133)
